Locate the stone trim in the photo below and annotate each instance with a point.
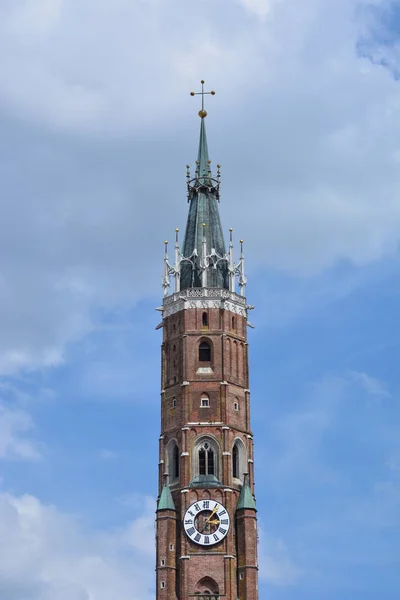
(206, 423)
(204, 298)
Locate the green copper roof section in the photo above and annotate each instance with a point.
(203, 165)
(205, 481)
(203, 209)
(246, 498)
(166, 501)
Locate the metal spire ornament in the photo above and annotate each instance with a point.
(202, 112)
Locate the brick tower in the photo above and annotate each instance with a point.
(206, 513)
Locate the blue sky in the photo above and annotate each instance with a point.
(97, 127)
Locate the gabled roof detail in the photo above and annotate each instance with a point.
(166, 502)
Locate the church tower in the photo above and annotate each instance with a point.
(206, 513)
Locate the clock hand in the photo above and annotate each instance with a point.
(214, 522)
(212, 514)
(209, 521)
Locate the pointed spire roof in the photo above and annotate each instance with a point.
(203, 161)
(166, 502)
(203, 222)
(246, 498)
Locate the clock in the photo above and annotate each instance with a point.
(206, 522)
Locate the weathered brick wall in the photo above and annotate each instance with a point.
(225, 381)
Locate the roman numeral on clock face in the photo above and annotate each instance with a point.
(203, 523)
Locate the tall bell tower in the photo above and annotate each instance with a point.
(206, 513)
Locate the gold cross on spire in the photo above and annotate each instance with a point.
(202, 112)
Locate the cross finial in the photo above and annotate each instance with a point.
(202, 112)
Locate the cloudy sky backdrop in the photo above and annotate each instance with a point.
(97, 127)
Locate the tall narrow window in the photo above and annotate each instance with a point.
(233, 323)
(204, 352)
(204, 319)
(202, 461)
(235, 461)
(206, 460)
(239, 462)
(175, 459)
(210, 463)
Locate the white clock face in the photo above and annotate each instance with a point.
(206, 522)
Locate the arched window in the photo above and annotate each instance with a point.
(207, 586)
(204, 319)
(233, 323)
(173, 461)
(204, 352)
(235, 461)
(239, 460)
(206, 460)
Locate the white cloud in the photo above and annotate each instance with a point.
(300, 435)
(276, 566)
(14, 424)
(116, 73)
(15, 427)
(94, 127)
(261, 8)
(46, 555)
(38, 17)
(108, 454)
(372, 386)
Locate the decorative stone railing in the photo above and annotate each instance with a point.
(206, 293)
(204, 298)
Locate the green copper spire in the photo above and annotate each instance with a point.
(166, 502)
(203, 162)
(205, 263)
(246, 498)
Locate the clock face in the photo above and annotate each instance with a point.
(206, 522)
